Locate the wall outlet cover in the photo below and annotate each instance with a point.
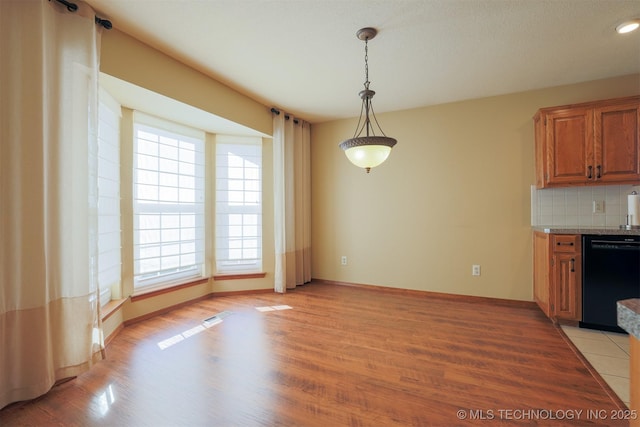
(475, 270)
(598, 206)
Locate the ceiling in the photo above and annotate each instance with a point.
(303, 56)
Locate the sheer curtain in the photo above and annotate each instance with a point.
(49, 320)
(292, 201)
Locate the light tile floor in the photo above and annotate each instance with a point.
(608, 353)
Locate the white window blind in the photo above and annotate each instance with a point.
(168, 204)
(238, 204)
(109, 261)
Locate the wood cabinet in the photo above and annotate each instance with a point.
(566, 264)
(541, 275)
(557, 275)
(595, 143)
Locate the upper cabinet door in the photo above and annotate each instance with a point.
(569, 140)
(594, 143)
(617, 143)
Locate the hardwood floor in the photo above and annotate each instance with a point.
(342, 356)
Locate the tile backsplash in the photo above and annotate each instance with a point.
(573, 206)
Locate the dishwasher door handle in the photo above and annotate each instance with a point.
(615, 245)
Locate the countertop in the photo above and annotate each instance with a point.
(598, 230)
(629, 316)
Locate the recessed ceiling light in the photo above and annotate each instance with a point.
(628, 26)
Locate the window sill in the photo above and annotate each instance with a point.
(111, 307)
(239, 276)
(155, 292)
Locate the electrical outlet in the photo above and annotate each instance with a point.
(475, 270)
(598, 206)
(343, 260)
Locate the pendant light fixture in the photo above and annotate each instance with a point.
(628, 26)
(369, 150)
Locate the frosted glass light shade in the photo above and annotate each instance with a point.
(368, 152)
(628, 26)
(368, 155)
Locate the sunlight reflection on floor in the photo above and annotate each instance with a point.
(274, 308)
(188, 333)
(103, 401)
(212, 321)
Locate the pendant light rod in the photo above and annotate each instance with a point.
(367, 151)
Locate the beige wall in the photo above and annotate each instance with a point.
(130, 60)
(454, 192)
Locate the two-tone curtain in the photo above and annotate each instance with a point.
(49, 310)
(292, 201)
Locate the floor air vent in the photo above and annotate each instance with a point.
(217, 317)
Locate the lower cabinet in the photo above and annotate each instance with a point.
(557, 278)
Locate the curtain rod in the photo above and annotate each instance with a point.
(286, 116)
(72, 7)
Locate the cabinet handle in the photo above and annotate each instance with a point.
(589, 172)
(573, 265)
(598, 172)
(565, 243)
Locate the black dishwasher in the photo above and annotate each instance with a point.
(610, 273)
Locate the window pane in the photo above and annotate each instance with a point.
(235, 173)
(168, 140)
(187, 220)
(236, 198)
(186, 195)
(187, 234)
(187, 168)
(149, 265)
(168, 194)
(187, 181)
(236, 184)
(186, 248)
(168, 165)
(170, 250)
(252, 185)
(168, 152)
(146, 222)
(147, 136)
(235, 231)
(170, 235)
(238, 204)
(168, 206)
(149, 236)
(168, 179)
(252, 173)
(235, 219)
(147, 147)
(150, 251)
(146, 192)
(146, 162)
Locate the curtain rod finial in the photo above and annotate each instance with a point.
(104, 22)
